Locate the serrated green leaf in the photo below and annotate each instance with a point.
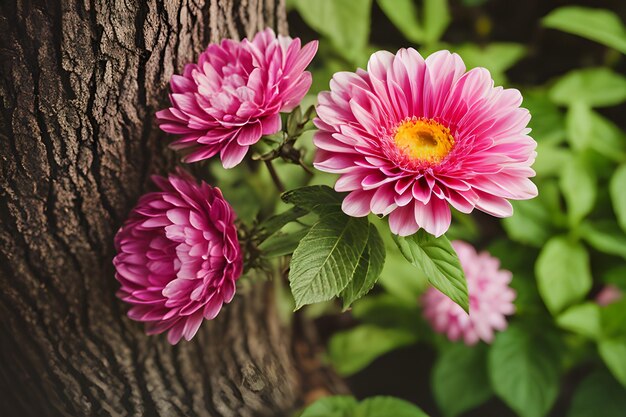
(282, 244)
(383, 406)
(563, 273)
(436, 258)
(324, 261)
(598, 393)
(579, 185)
(368, 270)
(459, 380)
(613, 352)
(599, 25)
(583, 319)
(524, 372)
(345, 22)
(605, 236)
(404, 15)
(596, 87)
(352, 350)
(336, 406)
(316, 198)
(617, 188)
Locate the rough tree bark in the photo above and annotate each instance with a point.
(81, 81)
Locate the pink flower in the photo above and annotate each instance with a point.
(178, 256)
(410, 136)
(490, 299)
(234, 95)
(609, 295)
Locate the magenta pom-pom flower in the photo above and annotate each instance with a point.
(411, 136)
(234, 95)
(178, 256)
(490, 299)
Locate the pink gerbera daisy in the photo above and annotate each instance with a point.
(178, 256)
(234, 95)
(410, 136)
(490, 299)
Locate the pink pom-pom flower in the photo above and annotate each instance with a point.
(609, 294)
(490, 299)
(178, 256)
(234, 95)
(411, 136)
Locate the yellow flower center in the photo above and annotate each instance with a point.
(423, 140)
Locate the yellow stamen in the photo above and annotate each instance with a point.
(424, 140)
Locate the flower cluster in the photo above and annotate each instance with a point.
(490, 299)
(412, 136)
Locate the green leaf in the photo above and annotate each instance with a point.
(586, 129)
(614, 319)
(345, 22)
(326, 258)
(459, 380)
(547, 121)
(550, 160)
(599, 25)
(403, 14)
(386, 407)
(496, 57)
(524, 371)
(605, 236)
(316, 198)
(563, 274)
(352, 350)
(282, 244)
(399, 277)
(617, 188)
(533, 222)
(583, 319)
(596, 87)
(387, 311)
(368, 270)
(613, 352)
(578, 183)
(336, 406)
(436, 258)
(598, 394)
(436, 20)
(278, 221)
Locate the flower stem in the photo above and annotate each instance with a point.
(274, 175)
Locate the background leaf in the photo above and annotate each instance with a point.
(354, 349)
(617, 189)
(598, 25)
(335, 406)
(598, 393)
(578, 183)
(596, 87)
(460, 381)
(613, 352)
(345, 22)
(563, 274)
(314, 198)
(583, 319)
(438, 261)
(404, 15)
(387, 406)
(524, 372)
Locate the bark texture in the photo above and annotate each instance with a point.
(81, 81)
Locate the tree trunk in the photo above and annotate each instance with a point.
(81, 81)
